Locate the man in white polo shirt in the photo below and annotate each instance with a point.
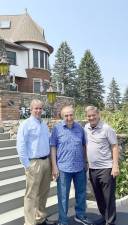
(103, 156)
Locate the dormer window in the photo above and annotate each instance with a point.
(5, 24)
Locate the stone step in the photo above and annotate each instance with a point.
(9, 161)
(7, 143)
(4, 136)
(8, 151)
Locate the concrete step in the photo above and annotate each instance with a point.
(12, 184)
(7, 143)
(8, 151)
(9, 161)
(15, 200)
(15, 216)
(4, 136)
(11, 171)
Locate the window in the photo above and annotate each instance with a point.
(11, 56)
(36, 85)
(46, 60)
(41, 59)
(35, 58)
(5, 24)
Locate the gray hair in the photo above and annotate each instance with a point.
(35, 101)
(91, 108)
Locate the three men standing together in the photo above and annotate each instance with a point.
(69, 156)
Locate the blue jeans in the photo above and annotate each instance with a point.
(63, 189)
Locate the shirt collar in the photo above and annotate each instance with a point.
(65, 125)
(35, 119)
(98, 126)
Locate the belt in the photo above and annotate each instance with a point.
(44, 157)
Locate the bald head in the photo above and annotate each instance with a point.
(67, 113)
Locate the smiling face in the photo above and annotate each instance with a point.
(93, 116)
(36, 109)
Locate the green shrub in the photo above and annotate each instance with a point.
(118, 120)
(122, 179)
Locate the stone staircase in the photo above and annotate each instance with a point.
(12, 185)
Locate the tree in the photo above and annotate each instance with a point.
(64, 71)
(114, 97)
(125, 97)
(90, 81)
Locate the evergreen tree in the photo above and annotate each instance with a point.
(64, 71)
(125, 97)
(90, 81)
(114, 97)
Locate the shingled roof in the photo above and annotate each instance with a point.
(23, 29)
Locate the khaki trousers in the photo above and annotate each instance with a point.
(38, 177)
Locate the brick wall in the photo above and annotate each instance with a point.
(26, 84)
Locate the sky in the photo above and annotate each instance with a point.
(97, 25)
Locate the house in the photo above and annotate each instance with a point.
(27, 52)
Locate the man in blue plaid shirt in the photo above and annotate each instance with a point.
(68, 154)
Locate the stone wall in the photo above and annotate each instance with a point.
(26, 98)
(11, 101)
(12, 126)
(9, 105)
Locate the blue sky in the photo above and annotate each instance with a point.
(98, 25)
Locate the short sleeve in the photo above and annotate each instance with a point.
(53, 137)
(111, 135)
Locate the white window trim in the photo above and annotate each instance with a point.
(39, 80)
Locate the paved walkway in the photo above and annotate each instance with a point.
(122, 215)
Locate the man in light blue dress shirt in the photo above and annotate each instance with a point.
(33, 150)
(68, 154)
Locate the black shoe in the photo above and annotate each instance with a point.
(84, 220)
(49, 222)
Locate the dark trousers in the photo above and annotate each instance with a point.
(104, 186)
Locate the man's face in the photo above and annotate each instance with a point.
(36, 110)
(93, 117)
(68, 115)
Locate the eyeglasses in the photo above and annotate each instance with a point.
(67, 115)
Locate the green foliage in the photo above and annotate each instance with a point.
(118, 120)
(113, 98)
(122, 179)
(80, 112)
(125, 97)
(64, 71)
(90, 82)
